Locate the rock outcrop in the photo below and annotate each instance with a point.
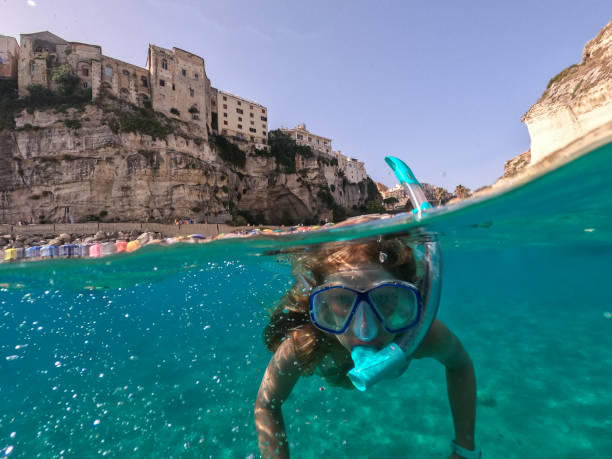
(75, 165)
(515, 165)
(576, 101)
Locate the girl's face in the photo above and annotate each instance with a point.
(364, 329)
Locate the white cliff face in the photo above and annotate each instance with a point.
(577, 100)
(53, 169)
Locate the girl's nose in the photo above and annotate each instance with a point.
(365, 324)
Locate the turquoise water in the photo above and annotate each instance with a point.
(159, 353)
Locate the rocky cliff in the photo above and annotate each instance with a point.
(104, 162)
(576, 101)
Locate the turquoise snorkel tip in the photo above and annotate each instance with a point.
(401, 169)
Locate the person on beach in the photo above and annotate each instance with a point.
(350, 297)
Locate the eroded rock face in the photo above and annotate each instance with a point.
(51, 172)
(515, 165)
(576, 101)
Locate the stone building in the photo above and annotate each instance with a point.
(174, 82)
(40, 52)
(179, 85)
(241, 118)
(9, 57)
(353, 169)
(303, 137)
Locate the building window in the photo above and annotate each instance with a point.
(300, 136)
(239, 103)
(225, 122)
(239, 110)
(263, 133)
(85, 84)
(224, 131)
(162, 83)
(252, 139)
(143, 82)
(164, 64)
(224, 98)
(252, 129)
(195, 75)
(225, 115)
(252, 116)
(240, 118)
(38, 49)
(85, 71)
(251, 107)
(263, 126)
(240, 126)
(264, 118)
(32, 68)
(126, 73)
(184, 72)
(252, 123)
(310, 139)
(191, 92)
(224, 105)
(239, 135)
(173, 87)
(108, 71)
(263, 110)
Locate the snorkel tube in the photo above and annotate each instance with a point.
(372, 365)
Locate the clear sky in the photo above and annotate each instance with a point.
(440, 84)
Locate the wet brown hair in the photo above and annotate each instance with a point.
(291, 319)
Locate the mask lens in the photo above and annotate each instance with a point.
(398, 305)
(332, 306)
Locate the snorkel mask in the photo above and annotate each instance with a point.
(341, 305)
(372, 365)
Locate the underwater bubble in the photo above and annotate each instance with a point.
(607, 314)
(96, 422)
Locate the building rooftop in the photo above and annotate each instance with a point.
(46, 36)
(239, 97)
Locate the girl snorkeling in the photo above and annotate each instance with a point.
(351, 301)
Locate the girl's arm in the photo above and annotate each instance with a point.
(441, 344)
(278, 381)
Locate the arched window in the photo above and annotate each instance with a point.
(164, 64)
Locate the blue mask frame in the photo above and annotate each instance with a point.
(364, 295)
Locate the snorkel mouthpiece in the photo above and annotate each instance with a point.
(372, 365)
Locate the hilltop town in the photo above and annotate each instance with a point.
(172, 100)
